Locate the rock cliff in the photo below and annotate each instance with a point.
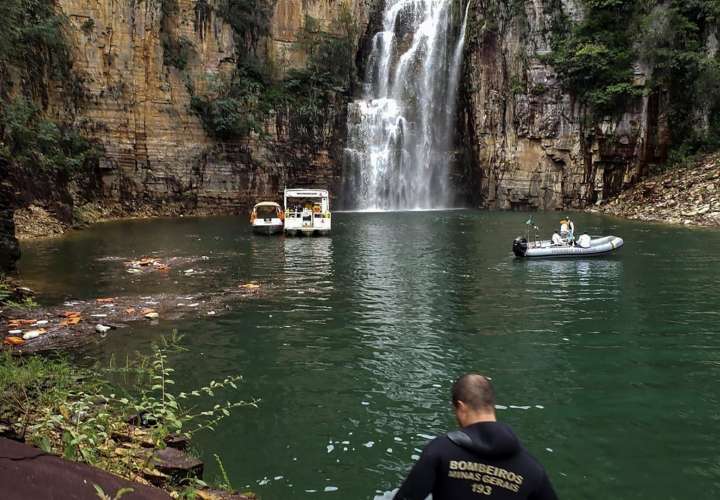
(156, 153)
(523, 139)
(530, 143)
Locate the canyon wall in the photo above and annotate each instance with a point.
(157, 154)
(527, 142)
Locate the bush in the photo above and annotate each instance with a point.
(594, 59)
(88, 27)
(76, 412)
(176, 52)
(673, 43)
(249, 19)
(239, 106)
(33, 141)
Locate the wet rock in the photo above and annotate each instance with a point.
(177, 464)
(177, 441)
(7, 430)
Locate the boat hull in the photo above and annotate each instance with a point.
(307, 232)
(546, 250)
(267, 229)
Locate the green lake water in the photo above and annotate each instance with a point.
(607, 368)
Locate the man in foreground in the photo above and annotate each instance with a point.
(483, 459)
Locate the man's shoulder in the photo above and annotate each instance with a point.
(531, 461)
(437, 445)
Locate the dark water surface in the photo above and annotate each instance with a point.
(609, 369)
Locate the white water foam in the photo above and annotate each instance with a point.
(400, 132)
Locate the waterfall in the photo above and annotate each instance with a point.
(400, 132)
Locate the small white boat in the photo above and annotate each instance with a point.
(267, 218)
(307, 212)
(585, 246)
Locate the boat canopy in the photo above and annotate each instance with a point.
(267, 204)
(306, 193)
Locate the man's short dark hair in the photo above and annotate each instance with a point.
(474, 390)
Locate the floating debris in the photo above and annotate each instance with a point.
(15, 323)
(34, 333)
(74, 322)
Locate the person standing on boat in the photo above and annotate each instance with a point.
(567, 230)
(484, 459)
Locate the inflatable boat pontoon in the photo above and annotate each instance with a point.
(584, 247)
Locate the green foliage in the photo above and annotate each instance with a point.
(225, 484)
(239, 105)
(594, 59)
(32, 37)
(33, 141)
(331, 56)
(88, 26)
(235, 107)
(118, 495)
(176, 52)
(673, 43)
(250, 19)
(76, 412)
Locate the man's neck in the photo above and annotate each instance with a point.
(477, 418)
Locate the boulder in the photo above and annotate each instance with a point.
(177, 464)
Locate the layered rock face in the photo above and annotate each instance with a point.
(157, 153)
(529, 143)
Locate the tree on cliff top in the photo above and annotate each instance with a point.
(595, 60)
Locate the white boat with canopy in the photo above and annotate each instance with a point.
(307, 212)
(267, 218)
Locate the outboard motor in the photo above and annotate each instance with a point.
(520, 246)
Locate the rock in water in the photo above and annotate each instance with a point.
(177, 464)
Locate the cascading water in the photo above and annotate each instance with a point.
(400, 132)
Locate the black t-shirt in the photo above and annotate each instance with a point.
(484, 460)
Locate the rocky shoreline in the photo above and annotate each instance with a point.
(36, 221)
(689, 196)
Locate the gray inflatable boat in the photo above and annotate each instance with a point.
(585, 246)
